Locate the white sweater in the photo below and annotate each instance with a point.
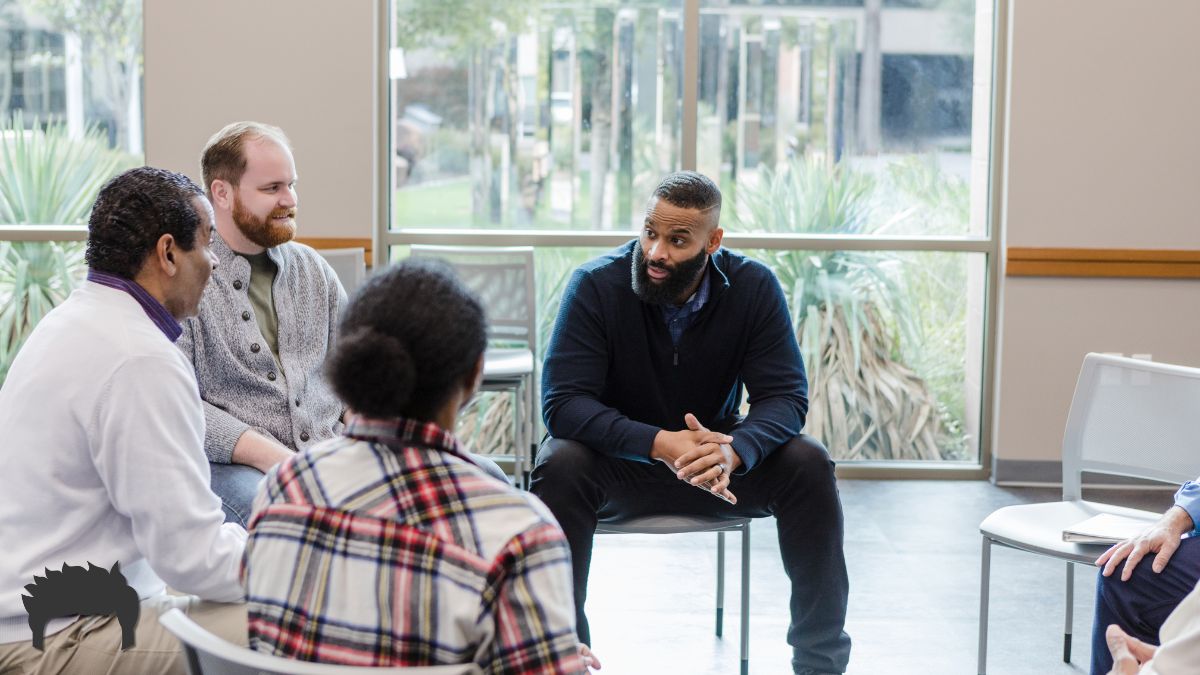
(102, 460)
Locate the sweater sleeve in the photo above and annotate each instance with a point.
(148, 429)
(573, 375)
(221, 430)
(773, 371)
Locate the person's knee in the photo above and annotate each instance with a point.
(805, 458)
(561, 461)
(236, 485)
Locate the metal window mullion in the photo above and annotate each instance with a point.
(737, 240)
(43, 232)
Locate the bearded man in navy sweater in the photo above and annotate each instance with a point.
(642, 387)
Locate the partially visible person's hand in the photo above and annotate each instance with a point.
(589, 659)
(259, 451)
(1161, 538)
(1129, 653)
(710, 464)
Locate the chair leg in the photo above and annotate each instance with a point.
(720, 583)
(984, 587)
(1070, 613)
(746, 599)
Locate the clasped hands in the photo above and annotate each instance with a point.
(701, 457)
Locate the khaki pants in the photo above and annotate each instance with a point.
(92, 644)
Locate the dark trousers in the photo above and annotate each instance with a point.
(1140, 606)
(795, 484)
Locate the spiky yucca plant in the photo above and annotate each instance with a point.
(864, 402)
(46, 178)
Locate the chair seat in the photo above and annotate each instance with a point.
(502, 364)
(1038, 528)
(670, 524)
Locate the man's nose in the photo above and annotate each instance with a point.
(657, 251)
(288, 199)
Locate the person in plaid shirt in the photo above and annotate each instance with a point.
(389, 546)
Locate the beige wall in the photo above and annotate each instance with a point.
(1103, 152)
(306, 65)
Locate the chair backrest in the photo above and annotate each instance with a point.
(208, 654)
(1132, 418)
(503, 279)
(350, 265)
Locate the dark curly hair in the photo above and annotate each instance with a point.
(689, 190)
(410, 336)
(133, 211)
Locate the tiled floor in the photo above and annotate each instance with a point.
(913, 551)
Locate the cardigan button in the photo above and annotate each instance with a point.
(255, 348)
(237, 284)
(304, 437)
(245, 316)
(271, 376)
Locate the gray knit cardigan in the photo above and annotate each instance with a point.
(241, 382)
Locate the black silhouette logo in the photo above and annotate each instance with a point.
(84, 592)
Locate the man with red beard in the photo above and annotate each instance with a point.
(266, 320)
(642, 390)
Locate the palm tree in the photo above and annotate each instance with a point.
(864, 402)
(46, 178)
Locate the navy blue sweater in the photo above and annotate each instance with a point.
(612, 377)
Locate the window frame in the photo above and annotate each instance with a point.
(989, 244)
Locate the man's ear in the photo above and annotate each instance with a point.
(166, 255)
(221, 194)
(714, 240)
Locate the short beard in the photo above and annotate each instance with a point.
(669, 290)
(262, 231)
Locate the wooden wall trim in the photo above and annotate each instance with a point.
(1103, 263)
(341, 242)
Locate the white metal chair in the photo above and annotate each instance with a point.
(349, 264)
(503, 279)
(1128, 418)
(675, 524)
(208, 654)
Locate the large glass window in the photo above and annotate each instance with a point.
(70, 119)
(533, 115)
(850, 139)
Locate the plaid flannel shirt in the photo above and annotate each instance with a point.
(390, 548)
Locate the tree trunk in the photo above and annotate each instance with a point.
(481, 159)
(870, 82)
(602, 115)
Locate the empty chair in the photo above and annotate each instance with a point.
(208, 654)
(503, 279)
(349, 264)
(1128, 418)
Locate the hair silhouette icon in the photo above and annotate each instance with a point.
(84, 592)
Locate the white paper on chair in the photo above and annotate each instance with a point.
(1105, 528)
